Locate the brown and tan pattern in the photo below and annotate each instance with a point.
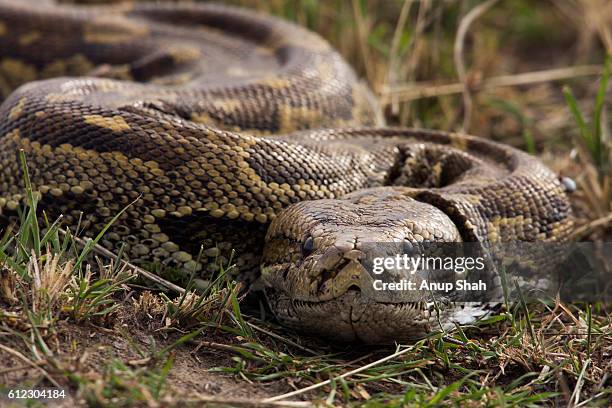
(224, 125)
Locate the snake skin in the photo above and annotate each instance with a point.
(234, 130)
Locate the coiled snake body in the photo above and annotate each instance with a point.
(238, 131)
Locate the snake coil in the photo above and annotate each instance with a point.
(228, 130)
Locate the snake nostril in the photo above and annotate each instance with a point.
(328, 272)
(331, 259)
(353, 288)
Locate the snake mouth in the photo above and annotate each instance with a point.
(354, 317)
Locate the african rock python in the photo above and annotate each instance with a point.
(196, 110)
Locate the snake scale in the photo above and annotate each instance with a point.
(228, 130)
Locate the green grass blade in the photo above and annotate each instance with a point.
(32, 222)
(590, 327)
(599, 105)
(93, 242)
(163, 376)
(446, 391)
(585, 133)
(526, 311)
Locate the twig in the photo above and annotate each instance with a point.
(464, 26)
(23, 367)
(415, 52)
(395, 42)
(363, 49)
(106, 253)
(420, 25)
(213, 345)
(345, 375)
(408, 92)
(238, 402)
(30, 363)
(585, 229)
(281, 338)
(597, 13)
(592, 399)
(575, 398)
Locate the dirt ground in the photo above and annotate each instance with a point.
(86, 349)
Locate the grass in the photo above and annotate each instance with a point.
(95, 327)
(591, 134)
(528, 357)
(122, 385)
(48, 280)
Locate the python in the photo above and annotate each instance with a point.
(229, 130)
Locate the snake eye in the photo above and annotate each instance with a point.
(307, 246)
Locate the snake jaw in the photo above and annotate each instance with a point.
(353, 317)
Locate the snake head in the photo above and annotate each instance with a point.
(317, 264)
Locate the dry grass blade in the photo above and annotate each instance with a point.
(236, 402)
(49, 281)
(8, 286)
(575, 398)
(281, 338)
(464, 26)
(392, 74)
(598, 14)
(340, 377)
(194, 307)
(23, 367)
(108, 254)
(408, 92)
(420, 25)
(30, 363)
(587, 229)
(362, 38)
